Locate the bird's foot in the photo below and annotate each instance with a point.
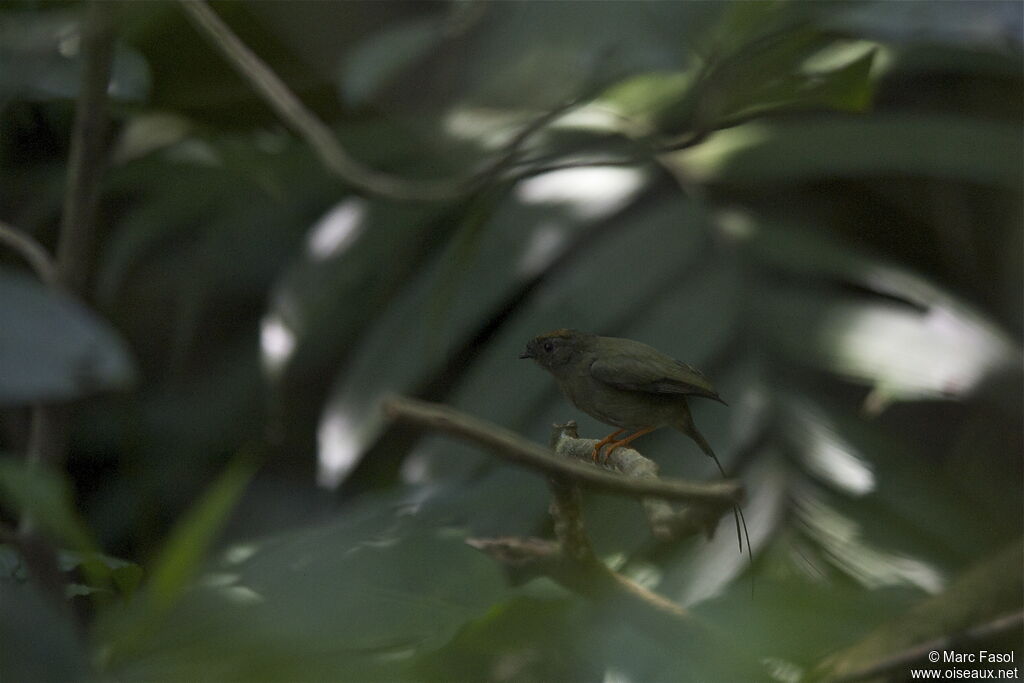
(602, 443)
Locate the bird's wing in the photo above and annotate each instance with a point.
(667, 376)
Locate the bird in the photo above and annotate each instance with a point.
(626, 384)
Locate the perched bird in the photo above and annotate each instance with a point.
(626, 384)
(623, 383)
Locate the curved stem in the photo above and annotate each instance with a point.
(513, 447)
(31, 251)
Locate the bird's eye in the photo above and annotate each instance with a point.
(549, 347)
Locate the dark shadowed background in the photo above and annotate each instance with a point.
(818, 205)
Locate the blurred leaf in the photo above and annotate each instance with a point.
(989, 589)
(33, 490)
(531, 56)
(378, 59)
(58, 350)
(522, 639)
(180, 560)
(902, 352)
(194, 78)
(124, 576)
(39, 643)
(494, 253)
(796, 614)
(965, 149)
(40, 59)
(358, 258)
(183, 553)
(12, 568)
(359, 599)
(989, 25)
(911, 340)
(764, 57)
(847, 87)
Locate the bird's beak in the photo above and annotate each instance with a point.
(526, 354)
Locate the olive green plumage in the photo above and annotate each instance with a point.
(622, 382)
(627, 384)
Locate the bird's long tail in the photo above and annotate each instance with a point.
(737, 511)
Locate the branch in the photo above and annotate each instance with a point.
(666, 522)
(902, 660)
(88, 144)
(514, 448)
(971, 606)
(321, 138)
(303, 121)
(595, 581)
(623, 599)
(31, 251)
(50, 423)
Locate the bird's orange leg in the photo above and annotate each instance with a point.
(606, 440)
(629, 439)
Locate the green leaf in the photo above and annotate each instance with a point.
(45, 496)
(988, 590)
(53, 348)
(176, 565)
(931, 345)
(906, 353)
(981, 25)
(925, 145)
(40, 643)
(40, 58)
(766, 57)
(357, 599)
(844, 88)
(375, 62)
(103, 570)
(185, 550)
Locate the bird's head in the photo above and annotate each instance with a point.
(556, 350)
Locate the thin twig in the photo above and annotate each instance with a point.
(34, 253)
(48, 442)
(49, 436)
(901, 660)
(304, 122)
(621, 598)
(514, 448)
(596, 581)
(86, 158)
(325, 144)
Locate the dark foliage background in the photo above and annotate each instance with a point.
(819, 205)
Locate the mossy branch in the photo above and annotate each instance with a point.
(570, 560)
(514, 448)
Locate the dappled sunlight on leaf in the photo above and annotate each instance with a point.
(277, 342)
(41, 57)
(337, 230)
(588, 193)
(827, 227)
(546, 243)
(369, 590)
(909, 354)
(931, 146)
(340, 445)
(824, 451)
(707, 569)
(841, 539)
